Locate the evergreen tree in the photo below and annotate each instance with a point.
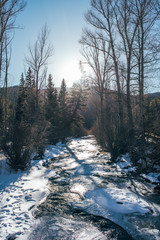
(77, 104)
(63, 114)
(20, 109)
(16, 140)
(52, 111)
(34, 116)
(152, 117)
(29, 82)
(30, 106)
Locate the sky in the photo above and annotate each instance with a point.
(65, 20)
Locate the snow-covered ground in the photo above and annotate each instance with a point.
(104, 189)
(20, 192)
(152, 177)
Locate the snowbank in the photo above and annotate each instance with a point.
(124, 164)
(20, 192)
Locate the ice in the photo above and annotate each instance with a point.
(103, 188)
(63, 228)
(152, 177)
(119, 200)
(78, 188)
(147, 232)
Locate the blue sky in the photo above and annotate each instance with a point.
(65, 20)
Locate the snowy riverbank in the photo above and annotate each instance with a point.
(103, 189)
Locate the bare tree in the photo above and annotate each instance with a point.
(7, 63)
(38, 57)
(147, 14)
(129, 28)
(96, 52)
(9, 10)
(127, 25)
(101, 18)
(8, 13)
(146, 55)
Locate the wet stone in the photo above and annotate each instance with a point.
(119, 202)
(157, 189)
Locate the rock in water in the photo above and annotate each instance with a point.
(157, 189)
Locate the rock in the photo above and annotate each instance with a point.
(30, 208)
(126, 167)
(158, 178)
(157, 189)
(37, 157)
(11, 237)
(45, 164)
(119, 202)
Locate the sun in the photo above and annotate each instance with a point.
(71, 71)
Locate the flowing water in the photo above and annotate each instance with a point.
(70, 211)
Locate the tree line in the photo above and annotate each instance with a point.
(30, 127)
(121, 50)
(38, 114)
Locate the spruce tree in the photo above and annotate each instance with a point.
(29, 82)
(20, 109)
(52, 111)
(63, 114)
(34, 116)
(30, 106)
(77, 104)
(16, 139)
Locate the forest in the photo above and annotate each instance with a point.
(83, 162)
(120, 57)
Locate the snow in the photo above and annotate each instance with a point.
(63, 228)
(152, 177)
(78, 188)
(151, 232)
(124, 164)
(90, 178)
(119, 200)
(19, 192)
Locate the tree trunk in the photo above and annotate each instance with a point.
(129, 108)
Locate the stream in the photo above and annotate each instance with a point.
(92, 199)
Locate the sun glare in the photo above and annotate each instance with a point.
(71, 72)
